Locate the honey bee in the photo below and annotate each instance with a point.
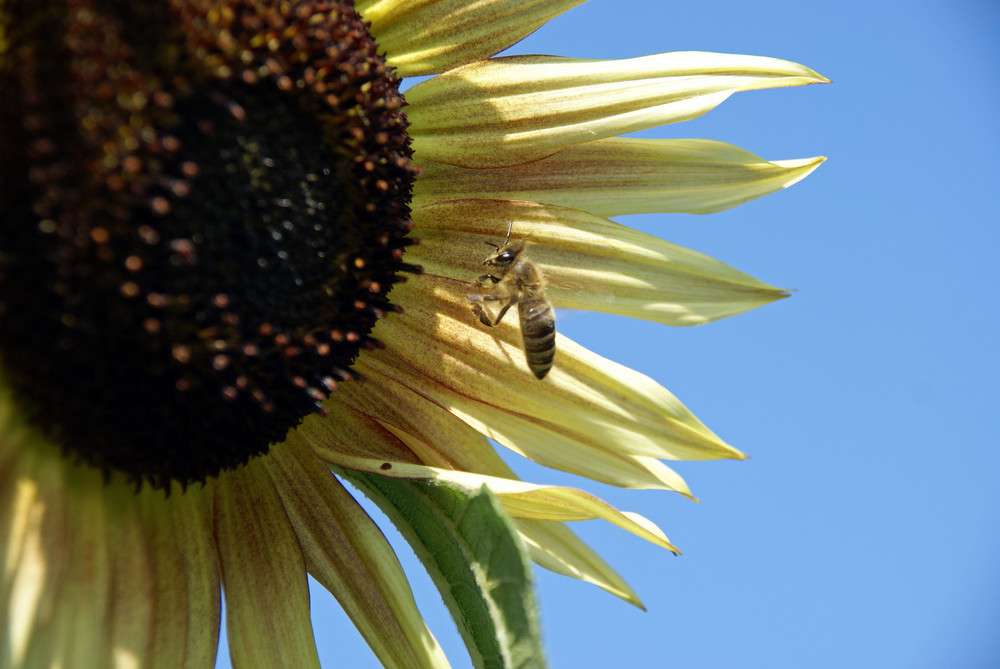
(514, 279)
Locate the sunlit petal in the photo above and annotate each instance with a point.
(591, 263)
(555, 547)
(428, 36)
(512, 110)
(593, 399)
(617, 176)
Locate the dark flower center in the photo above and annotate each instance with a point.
(201, 215)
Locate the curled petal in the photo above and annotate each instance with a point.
(429, 36)
(506, 111)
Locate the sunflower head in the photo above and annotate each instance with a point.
(203, 208)
(203, 213)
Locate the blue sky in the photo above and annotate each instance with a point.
(863, 532)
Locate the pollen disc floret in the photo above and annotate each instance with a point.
(200, 225)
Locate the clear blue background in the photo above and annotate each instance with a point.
(864, 530)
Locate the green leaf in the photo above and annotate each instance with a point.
(474, 555)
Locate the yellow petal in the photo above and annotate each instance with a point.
(30, 563)
(445, 442)
(349, 433)
(555, 547)
(430, 431)
(589, 416)
(96, 574)
(528, 501)
(263, 572)
(539, 441)
(346, 552)
(133, 583)
(428, 36)
(24, 566)
(434, 435)
(617, 176)
(531, 501)
(589, 262)
(185, 564)
(506, 111)
(57, 571)
(552, 545)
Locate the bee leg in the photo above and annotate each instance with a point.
(476, 302)
(485, 319)
(478, 310)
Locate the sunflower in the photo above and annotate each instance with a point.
(236, 263)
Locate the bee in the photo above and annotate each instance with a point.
(514, 279)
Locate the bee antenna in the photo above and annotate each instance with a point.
(492, 244)
(509, 228)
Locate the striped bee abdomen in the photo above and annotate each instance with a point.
(538, 330)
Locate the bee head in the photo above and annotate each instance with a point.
(506, 253)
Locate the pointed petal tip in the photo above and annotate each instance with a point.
(801, 168)
(816, 77)
(630, 597)
(810, 163)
